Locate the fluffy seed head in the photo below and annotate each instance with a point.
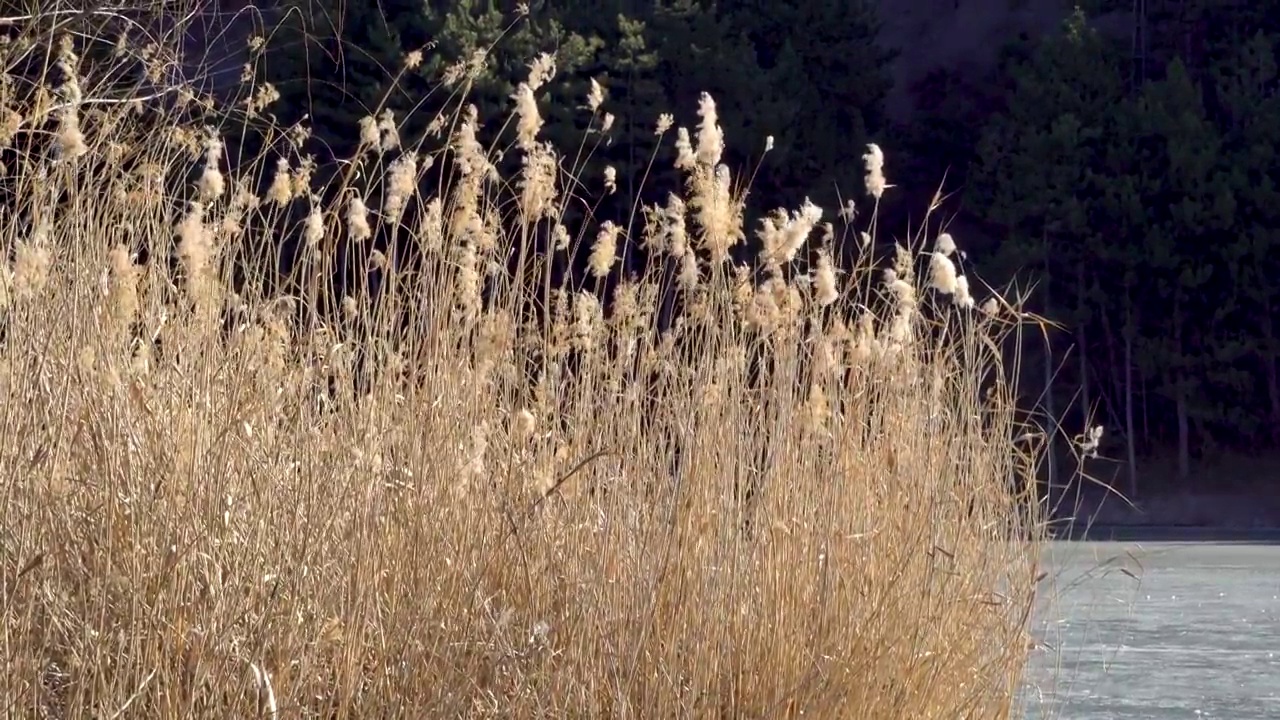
(588, 320)
(673, 229)
(537, 182)
(313, 227)
(782, 235)
(901, 289)
(825, 280)
(541, 70)
(369, 132)
(400, 183)
(710, 137)
(942, 273)
(604, 250)
(388, 132)
(595, 97)
(685, 157)
(71, 142)
(689, 275)
(281, 190)
(962, 297)
(212, 184)
(874, 159)
(528, 118)
(194, 242)
(358, 220)
(849, 212)
(431, 230)
(123, 298)
(467, 288)
(945, 244)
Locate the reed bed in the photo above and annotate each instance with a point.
(469, 482)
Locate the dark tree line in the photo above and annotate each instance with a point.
(1140, 192)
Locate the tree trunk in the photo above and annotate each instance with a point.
(1128, 397)
(1180, 397)
(1050, 410)
(1273, 389)
(1272, 370)
(1146, 410)
(1047, 395)
(1115, 387)
(1086, 399)
(1184, 429)
(1086, 396)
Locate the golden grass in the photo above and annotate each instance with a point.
(194, 526)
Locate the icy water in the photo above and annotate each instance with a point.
(1161, 631)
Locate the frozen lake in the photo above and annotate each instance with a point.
(1159, 631)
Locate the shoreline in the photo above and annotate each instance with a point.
(1166, 533)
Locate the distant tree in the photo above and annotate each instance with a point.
(1036, 175)
(818, 86)
(1247, 87)
(336, 61)
(1190, 206)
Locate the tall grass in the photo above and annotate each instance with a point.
(799, 495)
